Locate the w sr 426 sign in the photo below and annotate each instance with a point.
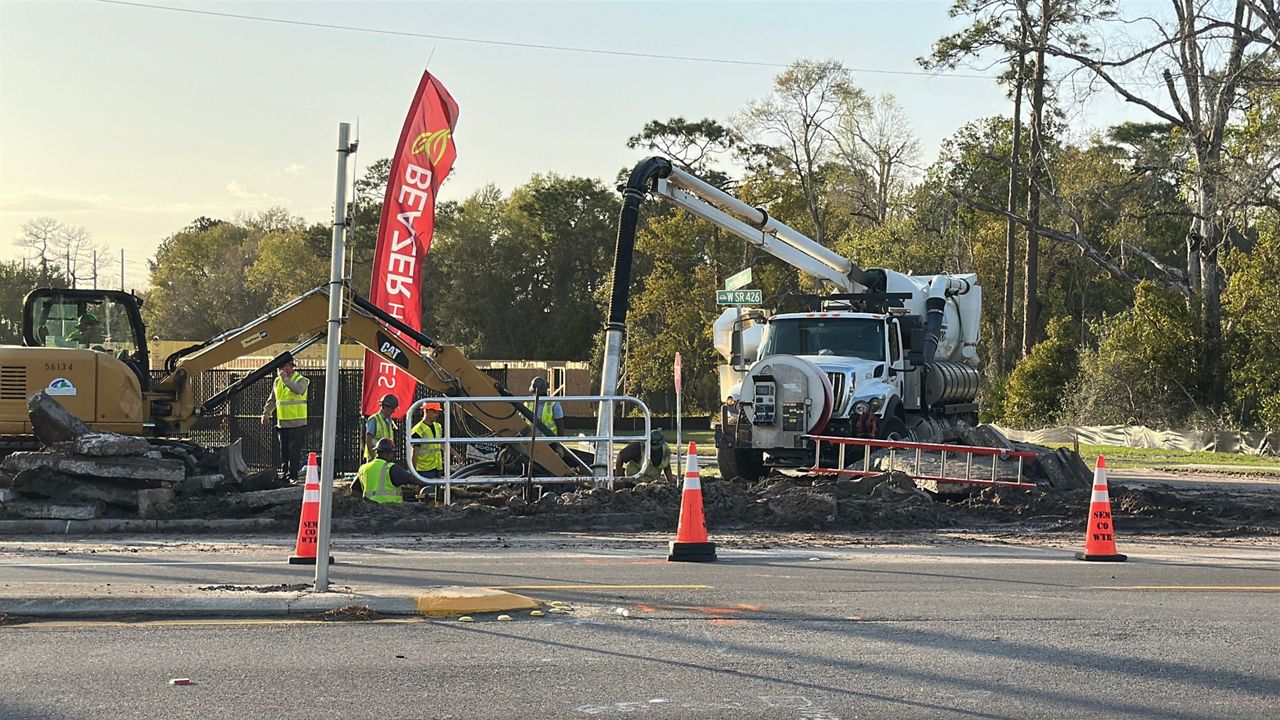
(739, 297)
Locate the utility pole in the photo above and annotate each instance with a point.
(121, 269)
(329, 433)
(95, 269)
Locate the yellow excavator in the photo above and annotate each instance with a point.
(88, 350)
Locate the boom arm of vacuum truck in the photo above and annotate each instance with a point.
(889, 355)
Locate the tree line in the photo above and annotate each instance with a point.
(1127, 273)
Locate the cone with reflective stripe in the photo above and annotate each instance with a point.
(691, 544)
(1100, 537)
(304, 551)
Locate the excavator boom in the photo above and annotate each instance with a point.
(441, 368)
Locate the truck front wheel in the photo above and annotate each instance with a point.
(740, 463)
(893, 428)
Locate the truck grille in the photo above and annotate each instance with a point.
(13, 382)
(837, 385)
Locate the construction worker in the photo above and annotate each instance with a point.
(288, 402)
(380, 425)
(88, 331)
(428, 460)
(659, 459)
(548, 412)
(381, 479)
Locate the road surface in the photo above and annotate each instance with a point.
(775, 629)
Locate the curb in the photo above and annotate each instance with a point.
(108, 525)
(433, 603)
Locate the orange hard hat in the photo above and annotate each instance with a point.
(432, 406)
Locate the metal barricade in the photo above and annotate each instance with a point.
(918, 448)
(602, 476)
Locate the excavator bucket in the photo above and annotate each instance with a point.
(230, 462)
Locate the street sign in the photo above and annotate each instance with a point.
(738, 280)
(739, 297)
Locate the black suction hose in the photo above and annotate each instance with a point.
(633, 194)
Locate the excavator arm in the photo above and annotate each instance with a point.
(441, 368)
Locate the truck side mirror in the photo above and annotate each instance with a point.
(735, 354)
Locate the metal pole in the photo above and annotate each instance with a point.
(121, 269)
(679, 415)
(329, 434)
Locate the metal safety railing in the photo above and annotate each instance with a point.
(602, 476)
(918, 448)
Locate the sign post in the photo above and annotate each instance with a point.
(329, 433)
(679, 443)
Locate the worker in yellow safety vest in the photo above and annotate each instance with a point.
(428, 460)
(548, 412)
(380, 425)
(288, 402)
(381, 479)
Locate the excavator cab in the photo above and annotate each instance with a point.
(105, 321)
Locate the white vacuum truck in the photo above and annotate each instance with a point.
(888, 355)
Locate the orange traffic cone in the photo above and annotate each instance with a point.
(304, 551)
(1100, 537)
(691, 544)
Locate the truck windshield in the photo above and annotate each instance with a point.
(844, 337)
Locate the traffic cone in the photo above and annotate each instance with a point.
(691, 544)
(1100, 538)
(304, 551)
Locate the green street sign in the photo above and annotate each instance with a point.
(739, 297)
(738, 280)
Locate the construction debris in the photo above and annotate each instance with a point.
(50, 422)
(80, 475)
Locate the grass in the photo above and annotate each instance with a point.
(1127, 457)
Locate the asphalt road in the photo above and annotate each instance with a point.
(962, 630)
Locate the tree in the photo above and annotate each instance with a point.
(874, 138)
(1038, 384)
(1253, 340)
(1206, 55)
(791, 129)
(53, 243)
(1146, 368)
(17, 278)
(692, 145)
(200, 282)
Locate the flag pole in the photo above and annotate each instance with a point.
(329, 432)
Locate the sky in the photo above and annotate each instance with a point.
(132, 121)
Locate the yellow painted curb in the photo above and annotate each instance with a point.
(450, 601)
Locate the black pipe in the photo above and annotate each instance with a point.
(633, 194)
(934, 307)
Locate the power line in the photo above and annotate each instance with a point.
(509, 43)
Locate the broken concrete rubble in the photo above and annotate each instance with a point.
(57, 486)
(140, 469)
(151, 500)
(101, 444)
(51, 422)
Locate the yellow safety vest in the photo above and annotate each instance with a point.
(289, 404)
(375, 476)
(653, 473)
(385, 429)
(548, 415)
(429, 457)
